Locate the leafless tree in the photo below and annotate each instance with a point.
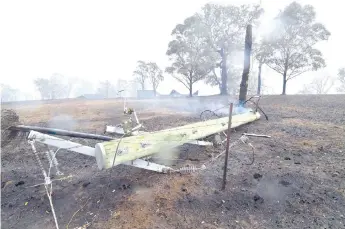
(319, 85)
(107, 89)
(341, 79)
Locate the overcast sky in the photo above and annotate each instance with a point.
(98, 40)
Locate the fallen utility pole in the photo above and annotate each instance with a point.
(227, 147)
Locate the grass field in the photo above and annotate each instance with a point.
(296, 181)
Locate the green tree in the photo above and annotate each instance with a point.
(261, 53)
(55, 87)
(223, 29)
(233, 79)
(141, 73)
(148, 71)
(155, 75)
(191, 59)
(292, 42)
(8, 93)
(43, 87)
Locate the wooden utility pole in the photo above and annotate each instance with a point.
(246, 67)
(259, 79)
(224, 72)
(227, 147)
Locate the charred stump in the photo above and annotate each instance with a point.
(246, 67)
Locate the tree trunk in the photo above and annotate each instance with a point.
(190, 89)
(259, 79)
(284, 82)
(224, 75)
(154, 91)
(143, 86)
(190, 83)
(246, 67)
(284, 86)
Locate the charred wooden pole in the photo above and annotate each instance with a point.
(246, 67)
(259, 79)
(60, 132)
(227, 147)
(224, 72)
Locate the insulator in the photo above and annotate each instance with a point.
(49, 158)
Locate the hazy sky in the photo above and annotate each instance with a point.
(98, 40)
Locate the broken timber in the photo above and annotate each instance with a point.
(134, 147)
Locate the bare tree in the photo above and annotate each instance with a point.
(306, 90)
(319, 85)
(292, 42)
(107, 89)
(322, 85)
(341, 79)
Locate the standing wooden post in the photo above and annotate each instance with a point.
(227, 147)
(246, 67)
(224, 72)
(258, 92)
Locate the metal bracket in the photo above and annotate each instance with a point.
(61, 143)
(201, 143)
(139, 163)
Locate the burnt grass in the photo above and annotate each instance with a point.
(297, 179)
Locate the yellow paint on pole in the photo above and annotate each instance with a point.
(134, 147)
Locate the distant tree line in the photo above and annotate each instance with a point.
(206, 47)
(58, 86)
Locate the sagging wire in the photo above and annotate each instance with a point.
(245, 140)
(193, 169)
(58, 179)
(107, 188)
(48, 184)
(213, 113)
(257, 107)
(256, 104)
(47, 181)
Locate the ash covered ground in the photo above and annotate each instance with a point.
(296, 181)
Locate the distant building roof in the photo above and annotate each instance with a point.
(175, 93)
(145, 94)
(91, 96)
